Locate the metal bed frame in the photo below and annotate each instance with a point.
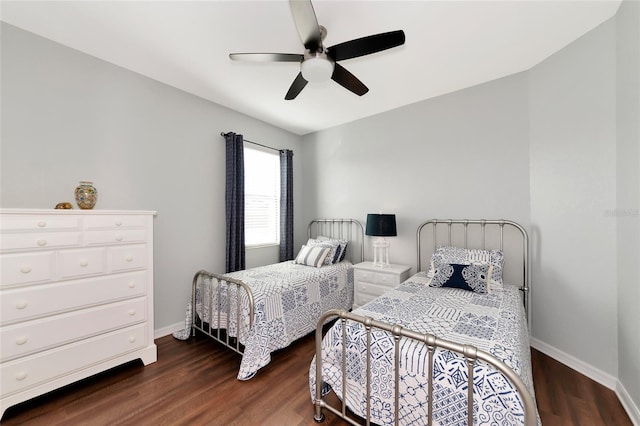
(347, 229)
(485, 229)
(470, 353)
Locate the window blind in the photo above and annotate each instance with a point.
(262, 196)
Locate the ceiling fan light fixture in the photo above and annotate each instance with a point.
(316, 69)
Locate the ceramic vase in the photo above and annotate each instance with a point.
(86, 195)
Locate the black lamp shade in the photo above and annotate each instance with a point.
(381, 225)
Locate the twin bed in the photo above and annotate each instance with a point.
(431, 336)
(260, 310)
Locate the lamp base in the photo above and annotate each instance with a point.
(381, 253)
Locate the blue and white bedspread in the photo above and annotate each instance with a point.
(289, 299)
(494, 322)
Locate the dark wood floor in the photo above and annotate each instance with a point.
(194, 383)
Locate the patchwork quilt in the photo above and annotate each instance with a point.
(494, 322)
(288, 301)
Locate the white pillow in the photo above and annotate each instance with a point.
(312, 255)
(463, 256)
(342, 250)
(332, 245)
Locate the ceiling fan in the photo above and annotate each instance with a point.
(319, 63)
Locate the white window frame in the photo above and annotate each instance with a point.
(257, 193)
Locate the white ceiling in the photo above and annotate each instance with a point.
(449, 45)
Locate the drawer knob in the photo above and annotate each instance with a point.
(132, 284)
(129, 258)
(132, 339)
(118, 222)
(84, 263)
(21, 375)
(118, 237)
(21, 340)
(25, 269)
(132, 312)
(21, 304)
(42, 242)
(42, 224)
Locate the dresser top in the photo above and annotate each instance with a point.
(72, 211)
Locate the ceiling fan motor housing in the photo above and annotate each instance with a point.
(317, 66)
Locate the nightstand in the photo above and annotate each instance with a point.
(371, 281)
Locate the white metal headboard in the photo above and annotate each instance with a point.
(344, 229)
(505, 235)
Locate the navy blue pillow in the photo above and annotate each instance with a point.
(466, 277)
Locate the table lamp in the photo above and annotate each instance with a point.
(381, 226)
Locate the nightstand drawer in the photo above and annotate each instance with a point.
(377, 277)
(363, 287)
(371, 281)
(363, 298)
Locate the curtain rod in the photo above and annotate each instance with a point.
(255, 143)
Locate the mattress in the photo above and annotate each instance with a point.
(288, 300)
(494, 322)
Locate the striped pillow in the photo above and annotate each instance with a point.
(312, 255)
(333, 246)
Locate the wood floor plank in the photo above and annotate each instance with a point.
(194, 383)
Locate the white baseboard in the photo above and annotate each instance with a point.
(165, 331)
(593, 373)
(630, 407)
(580, 366)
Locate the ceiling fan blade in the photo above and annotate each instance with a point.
(306, 23)
(296, 87)
(348, 80)
(266, 57)
(366, 45)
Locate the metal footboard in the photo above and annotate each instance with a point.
(221, 286)
(471, 354)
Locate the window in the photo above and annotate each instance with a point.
(261, 196)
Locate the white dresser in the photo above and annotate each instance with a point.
(371, 281)
(76, 296)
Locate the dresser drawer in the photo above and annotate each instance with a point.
(40, 240)
(34, 336)
(36, 222)
(81, 262)
(26, 268)
(127, 258)
(27, 372)
(115, 222)
(115, 237)
(22, 304)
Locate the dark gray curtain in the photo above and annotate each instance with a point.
(234, 202)
(286, 205)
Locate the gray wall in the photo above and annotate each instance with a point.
(628, 196)
(573, 179)
(460, 155)
(67, 116)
